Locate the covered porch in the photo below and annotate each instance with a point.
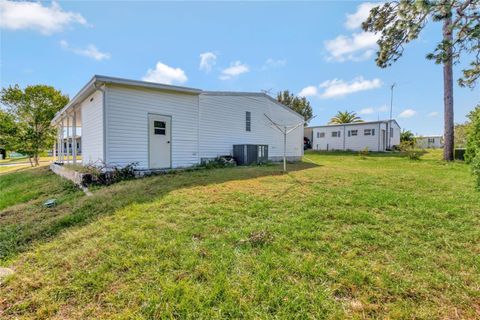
(67, 147)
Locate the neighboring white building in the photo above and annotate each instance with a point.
(429, 142)
(374, 135)
(162, 126)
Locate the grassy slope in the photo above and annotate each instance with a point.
(381, 237)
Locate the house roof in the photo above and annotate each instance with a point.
(354, 123)
(430, 136)
(98, 80)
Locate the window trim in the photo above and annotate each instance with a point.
(161, 126)
(371, 132)
(336, 134)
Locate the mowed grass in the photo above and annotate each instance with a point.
(337, 237)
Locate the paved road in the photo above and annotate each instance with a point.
(13, 164)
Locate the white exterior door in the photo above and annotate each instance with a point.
(159, 149)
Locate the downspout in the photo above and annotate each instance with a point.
(379, 132)
(104, 112)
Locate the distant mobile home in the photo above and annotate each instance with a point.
(429, 142)
(374, 135)
(161, 126)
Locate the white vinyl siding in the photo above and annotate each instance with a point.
(395, 139)
(127, 125)
(355, 137)
(92, 128)
(221, 128)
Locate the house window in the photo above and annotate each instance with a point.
(369, 132)
(248, 121)
(391, 132)
(159, 127)
(352, 133)
(431, 140)
(320, 134)
(336, 134)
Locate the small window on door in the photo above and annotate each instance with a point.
(159, 127)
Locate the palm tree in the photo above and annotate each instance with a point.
(345, 117)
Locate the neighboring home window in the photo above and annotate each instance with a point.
(431, 140)
(352, 133)
(391, 132)
(159, 127)
(369, 132)
(248, 121)
(336, 134)
(322, 134)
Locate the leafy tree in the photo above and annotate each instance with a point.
(401, 21)
(407, 135)
(31, 110)
(345, 117)
(8, 130)
(298, 104)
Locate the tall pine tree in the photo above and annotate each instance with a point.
(400, 22)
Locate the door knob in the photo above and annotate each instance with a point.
(168, 141)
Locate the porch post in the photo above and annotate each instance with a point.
(68, 138)
(74, 139)
(58, 142)
(54, 149)
(62, 149)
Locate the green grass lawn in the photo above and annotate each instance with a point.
(337, 237)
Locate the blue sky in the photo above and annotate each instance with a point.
(311, 48)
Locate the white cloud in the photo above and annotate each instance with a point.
(407, 113)
(235, 69)
(357, 47)
(274, 63)
(354, 20)
(433, 114)
(339, 88)
(308, 91)
(207, 61)
(165, 74)
(20, 15)
(366, 111)
(90, 51)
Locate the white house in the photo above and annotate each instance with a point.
(374, 135)
(163, 126)
(429, 142)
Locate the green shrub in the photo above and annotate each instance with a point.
(107, 175)
(476, 168)
(473, 135)
(472, 152)
(219, 162)
(408, 149)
